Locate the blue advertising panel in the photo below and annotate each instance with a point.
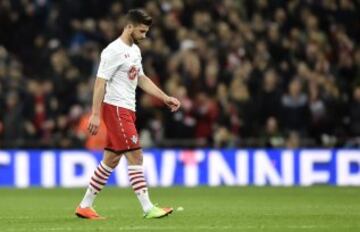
(258, 167)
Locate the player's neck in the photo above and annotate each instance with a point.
(127, 39)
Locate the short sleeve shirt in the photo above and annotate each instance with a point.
(120, 64)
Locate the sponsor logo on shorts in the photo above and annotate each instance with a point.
(134, 139)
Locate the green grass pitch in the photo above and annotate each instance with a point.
(317, 209)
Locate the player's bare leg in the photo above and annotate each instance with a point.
(111, 159)
(97, 182)
(138, 183)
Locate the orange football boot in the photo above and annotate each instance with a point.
(87, 213)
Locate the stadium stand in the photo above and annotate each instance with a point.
(251, 73)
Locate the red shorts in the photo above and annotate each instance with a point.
(121, 133)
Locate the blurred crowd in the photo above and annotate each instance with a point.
(249, 73)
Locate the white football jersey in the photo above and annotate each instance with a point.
(120, 65)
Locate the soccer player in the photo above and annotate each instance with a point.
(120, 72)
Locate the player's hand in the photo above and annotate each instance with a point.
(94, 123)
(172, 103)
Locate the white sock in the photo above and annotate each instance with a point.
(137, 180)
(144, 200)
(88, 199)
(97, 182)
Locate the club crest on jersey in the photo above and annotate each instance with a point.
(133, 72)
(134, 139)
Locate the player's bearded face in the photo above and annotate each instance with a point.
(139, 32)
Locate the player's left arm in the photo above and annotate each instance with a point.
(146, 84)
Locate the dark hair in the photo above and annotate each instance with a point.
(138, 16)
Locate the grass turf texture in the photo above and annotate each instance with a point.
(319, 208)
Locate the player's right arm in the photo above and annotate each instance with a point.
(107, 66)
(98, 96)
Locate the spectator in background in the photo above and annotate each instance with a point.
(39, 111)
(295, 112)
(96, 142)
(181, 124)
(223, 138)
(206, 115)
(293, 140)
(272, 137)
(319, 122)
(355, 113)
(269, 98)
(12, 126)
(245, 108)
